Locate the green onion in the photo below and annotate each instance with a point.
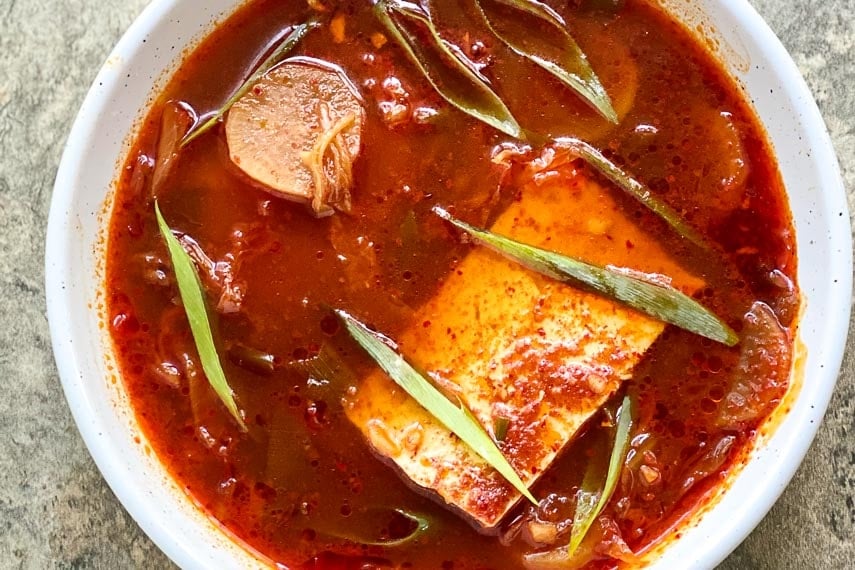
(367, 527)
(631, 186)
(659, 301)
(252, 359)
(590, 499)
(500, 428)
(458, 420)
(193, 299)
(421, 526)
(327, 366)
(450, 74)
(561, 57)
(293, 37)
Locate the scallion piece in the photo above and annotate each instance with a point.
(458, 420)
(590, 499)
(657, 300)
(451, 76)
(252, 359)
(291, 39)
(326, 366)
(631, 186)
(422, 524)
(193, 299)
(364, 527)
(500, 428)
(561, 57)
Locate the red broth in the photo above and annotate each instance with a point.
(297, 486)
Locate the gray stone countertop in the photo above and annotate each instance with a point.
(55, 509)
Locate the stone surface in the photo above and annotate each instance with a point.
(55, 509)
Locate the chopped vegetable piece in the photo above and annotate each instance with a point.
(337, 27)
(559, 54)
(500, 428)
(193, 298)
(175, 121)
(327, 366)
(556, 559)
(331, 188)
(385, 527)
(202, 398)
(591, 499)
(298, 132)
(217, 276)
(457, 419)
(603, 540)
(758, 384)
(447, 70)
(284, 448)
(725, 162)
(293, 37)
(254, 360)
(652, 297)
(412, 239)
(630, 185)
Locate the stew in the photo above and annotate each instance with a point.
(481, 284)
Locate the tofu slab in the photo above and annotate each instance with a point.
(513, 344)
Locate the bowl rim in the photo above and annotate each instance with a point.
(72, 374)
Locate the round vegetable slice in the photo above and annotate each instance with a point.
(297, 133)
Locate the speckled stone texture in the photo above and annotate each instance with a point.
(55, 509)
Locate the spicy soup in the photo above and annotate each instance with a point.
(325, 461)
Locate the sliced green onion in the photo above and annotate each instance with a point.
(657, 300)
(326, 366)
(458, 420)
(631, 186)
(500, 428)
(193, 299)
(293, 37)
(562, 58)
(368, 527)
(252, 359)
(450, 74)
(591, 499)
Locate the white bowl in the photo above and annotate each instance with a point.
(100, 139)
